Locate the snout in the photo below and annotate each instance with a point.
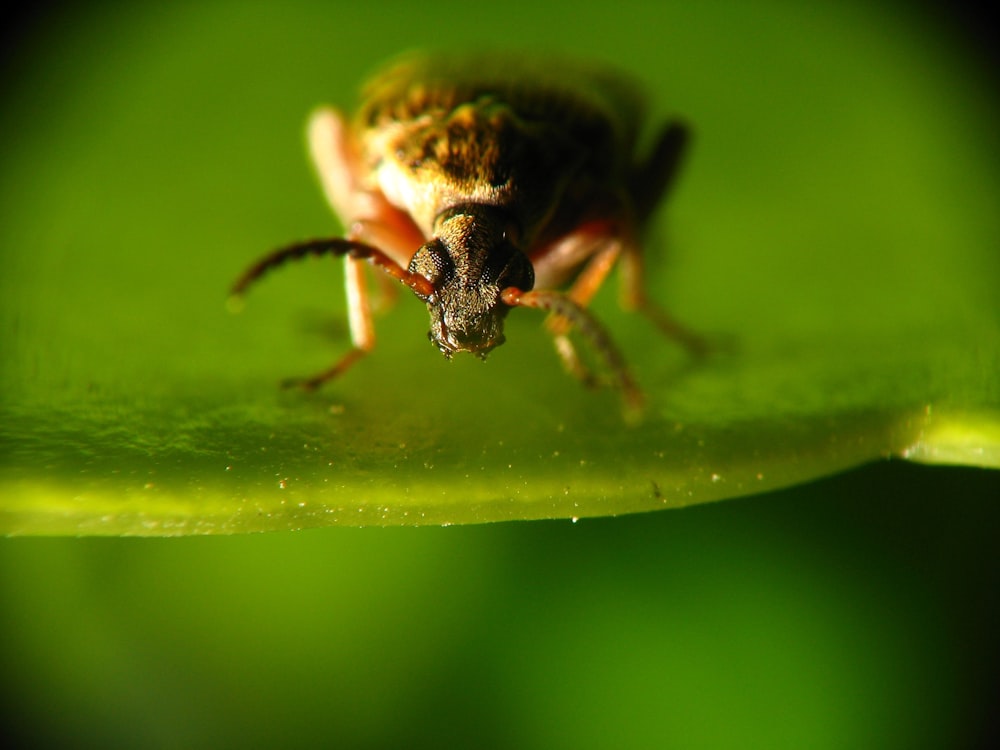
(451, 341)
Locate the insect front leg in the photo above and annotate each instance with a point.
(562, 305)
(362, 327)
(364, 212)
(337, 165)
(596, 246)
(375, 232)
(581, 292)
(359, 312)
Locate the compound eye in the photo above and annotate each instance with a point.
(433, 263)
(512, 234)
(518, 273)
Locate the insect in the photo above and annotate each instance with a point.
(485, 184)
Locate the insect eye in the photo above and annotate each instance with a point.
(433, 263)
(512, 234)
(517, 271)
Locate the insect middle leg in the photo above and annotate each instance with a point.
(634, 297)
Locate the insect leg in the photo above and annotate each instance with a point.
(365, 213)
(603, 257)
(335, 161)
(581, 292)
(595, 245)
(565, 307)
(362, 328)
(633, 297)
(359, 310)
(371, 224)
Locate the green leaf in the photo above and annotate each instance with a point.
(835, 228)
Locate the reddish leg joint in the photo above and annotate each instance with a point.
(587, 325)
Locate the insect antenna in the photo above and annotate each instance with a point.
(561, 305)
(331, 246)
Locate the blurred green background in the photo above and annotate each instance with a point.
(858, 611)
(854, 612)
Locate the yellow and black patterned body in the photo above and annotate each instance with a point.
(487, 183)
(546, 142)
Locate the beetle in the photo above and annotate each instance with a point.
(485, 184)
